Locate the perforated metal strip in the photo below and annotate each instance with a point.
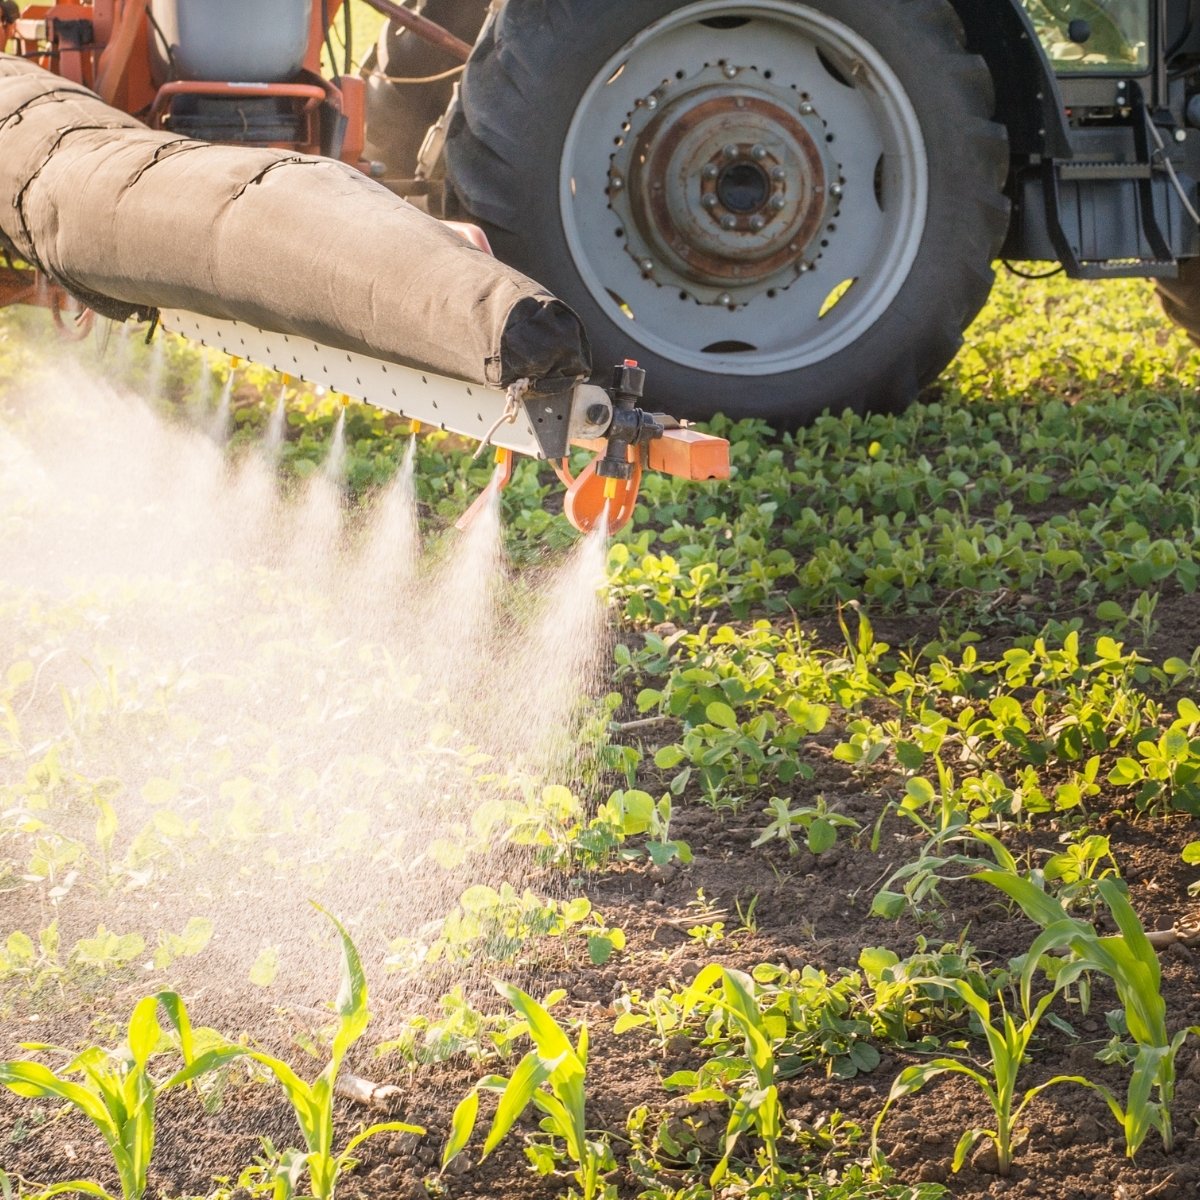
(449, 404)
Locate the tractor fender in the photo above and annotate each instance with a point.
(1028, 100)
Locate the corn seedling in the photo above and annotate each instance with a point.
(1130, 961)
(116, 1092)
(1008, 1041)
(552, 1077)
(758, 1108)
(313, 1103)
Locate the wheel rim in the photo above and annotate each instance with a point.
(744, 187)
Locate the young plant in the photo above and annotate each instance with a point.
(313, 1103)
(552, 1077)
(820, 825)
(1007, 1042)
(1130, 961)
(757, 1108)
(115, 1090)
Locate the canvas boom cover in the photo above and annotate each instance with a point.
(130, 220)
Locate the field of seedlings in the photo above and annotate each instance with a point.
(830, 834)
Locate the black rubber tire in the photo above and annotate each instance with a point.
(521, 90)
(1181, 298)
(399, 115)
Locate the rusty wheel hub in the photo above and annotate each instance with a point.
(725, 186)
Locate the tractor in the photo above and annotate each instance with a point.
(778, 207)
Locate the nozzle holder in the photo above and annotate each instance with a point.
(630, 425)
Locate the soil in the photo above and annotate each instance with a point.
(810, 910)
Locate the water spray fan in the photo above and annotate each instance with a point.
(542, 421)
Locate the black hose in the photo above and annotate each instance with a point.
(328, 38)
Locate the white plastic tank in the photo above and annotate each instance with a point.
(232, 41)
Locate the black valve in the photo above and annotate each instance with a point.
(630, 425)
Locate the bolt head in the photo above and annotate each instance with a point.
(726, 299)
(710, 172)
(647, 266)
(728, 222)
(758, 153)
(730, 151)
(596, 414)
(710, 202)
(651, 102)
(836, 189)
(806, 109)
(779, 175)
(1181, 135)
(778, 203)
(758, 223)
(731, 72)
(616, 183)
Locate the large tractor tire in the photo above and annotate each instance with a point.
(399, 115)
(780, 207)
(1181, 298)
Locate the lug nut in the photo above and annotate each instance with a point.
(778, 203)
(710, 202)
(806, 109)
(758, 153)
(647, 266)
(836, 189)
(730, 151)
(710, 172)
(728, 222)
(616, 183)
(779, 175)
(758, 223)
(726, 299)
(730, 71)
(651, 102)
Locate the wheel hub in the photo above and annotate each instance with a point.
(724, 185)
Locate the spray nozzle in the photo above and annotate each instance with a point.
(631, 426)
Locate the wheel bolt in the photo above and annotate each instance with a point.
(730, 151)
(647, 266)
(758, 153)
(710, 202)
(616, 183)
(779, 174)
(710, 172)
(731, 71)
(806, 109)
(758, 223)
(778, 203)
(726, 299)
(836, 189)
(728, 222)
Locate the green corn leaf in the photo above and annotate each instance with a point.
(34, 1081)
(352, 995)
(177, 1013)
(462, 1125)
(144, 1031)
(532, 1071)
(375, 1130)
(966, 1144)
(210, 1060)
(75, 1187)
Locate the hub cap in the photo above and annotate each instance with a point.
(747, 185)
